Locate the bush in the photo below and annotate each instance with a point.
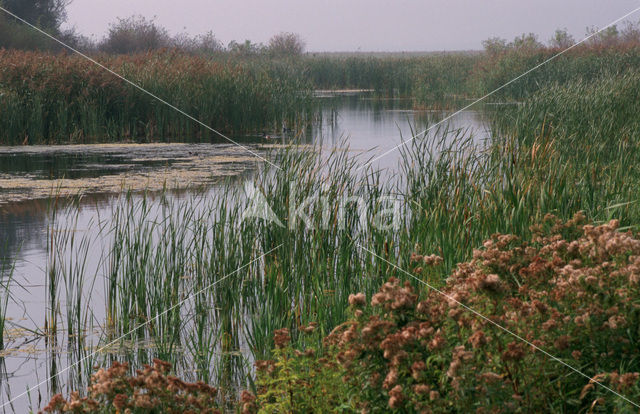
(561, 39)
(297, 381)
(205, 44)
(286, 44)
(572, 291)
(135, 35)
(151, 390)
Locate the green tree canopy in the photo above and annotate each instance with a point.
(43, 13)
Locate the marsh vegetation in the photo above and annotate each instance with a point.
(192, 280)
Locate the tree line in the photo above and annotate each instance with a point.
(562, 39)
(134, 34)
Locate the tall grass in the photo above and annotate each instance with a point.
(586, 62)
(443, 79)
(46, 98)
(570, 148)
(592, 131)
(385, 75)
(580, 112)
(455, 195)
(6, 273)
(161, 255)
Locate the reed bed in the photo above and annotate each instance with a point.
(579, 112)
(447, 79)
(590, 131)
(178, 259)
(387, 76)
(585, 62)
(47, 98)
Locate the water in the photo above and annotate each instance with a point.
(374, 127)
(366, 126)
(37, 172)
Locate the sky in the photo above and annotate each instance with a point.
(359, 25)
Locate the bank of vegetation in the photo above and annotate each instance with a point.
(51, 99)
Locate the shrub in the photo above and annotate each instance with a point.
(572, 291)
(286, 44)
(561, 39)
(204, 44)
(151, 390)
(135, 35)
(297, 381)
(246, 48)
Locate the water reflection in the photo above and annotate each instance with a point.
(374, 126)
(21, 229)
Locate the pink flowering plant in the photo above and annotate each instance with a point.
(572, 291)
(150, 390)
(476, 344)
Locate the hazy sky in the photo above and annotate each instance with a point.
(368, 25)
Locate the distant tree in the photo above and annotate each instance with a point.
(495, 45)
(183, 41)
(246, 48)
(561, 39)
(608, 37)
(78, 41)
(19, 36)
(286, 44)
(526, 42)
(631, 32)
(48, 14)
(202, 44)
(208, 43)
(135, 34)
